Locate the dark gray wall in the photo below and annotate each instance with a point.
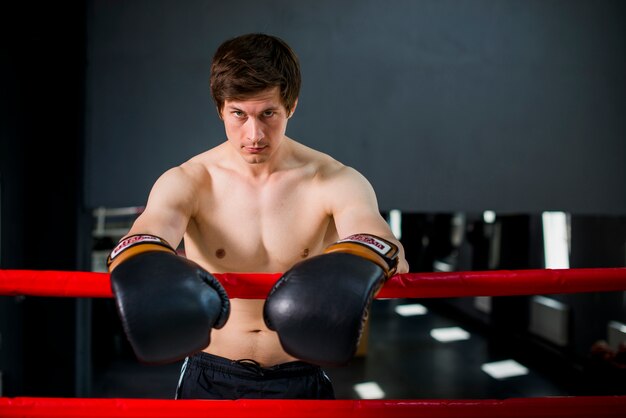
(516, 106)
(42, 61)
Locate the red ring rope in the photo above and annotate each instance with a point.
(580, 406)
(410, 285)
(252, 285)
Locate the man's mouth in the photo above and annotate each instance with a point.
(254, 150)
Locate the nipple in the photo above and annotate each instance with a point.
(220, 253)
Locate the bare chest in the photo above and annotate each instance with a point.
(246, 227)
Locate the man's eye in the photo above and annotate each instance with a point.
(268, 113)
(238, 114)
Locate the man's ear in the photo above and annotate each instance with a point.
(293, 109)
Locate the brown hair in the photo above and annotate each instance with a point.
(249, 64)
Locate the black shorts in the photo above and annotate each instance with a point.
(205, 376)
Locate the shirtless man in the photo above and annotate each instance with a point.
(259, 202)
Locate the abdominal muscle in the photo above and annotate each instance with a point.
(245, 336)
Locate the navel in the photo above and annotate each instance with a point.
(220, 253)
(305, 253)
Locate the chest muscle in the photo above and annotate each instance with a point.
(244, 228)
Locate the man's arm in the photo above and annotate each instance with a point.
(354, 208)
(319, 306)
(167, 303)
(171, 203)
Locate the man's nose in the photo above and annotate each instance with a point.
(254, 131)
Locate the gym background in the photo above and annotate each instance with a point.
(479, 124)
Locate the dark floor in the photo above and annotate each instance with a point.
(402, 359)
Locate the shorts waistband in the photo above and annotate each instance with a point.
(250, 368)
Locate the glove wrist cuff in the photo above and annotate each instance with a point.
(136, 244)
(371, 247)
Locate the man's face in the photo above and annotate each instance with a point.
(256, 125)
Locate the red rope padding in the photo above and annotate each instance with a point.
(411, 285)
(592, 406)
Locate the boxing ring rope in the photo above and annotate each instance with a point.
(411, 285)
(583, 407)
(256, 286)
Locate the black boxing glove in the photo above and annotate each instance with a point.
(319, 306)
(167, 303)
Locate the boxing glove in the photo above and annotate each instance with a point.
(167, 303)
(319, 306)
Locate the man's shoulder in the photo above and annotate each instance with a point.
(324, 164)
(192, 171)
(201, 165)
(207, 158)
(329, 170)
